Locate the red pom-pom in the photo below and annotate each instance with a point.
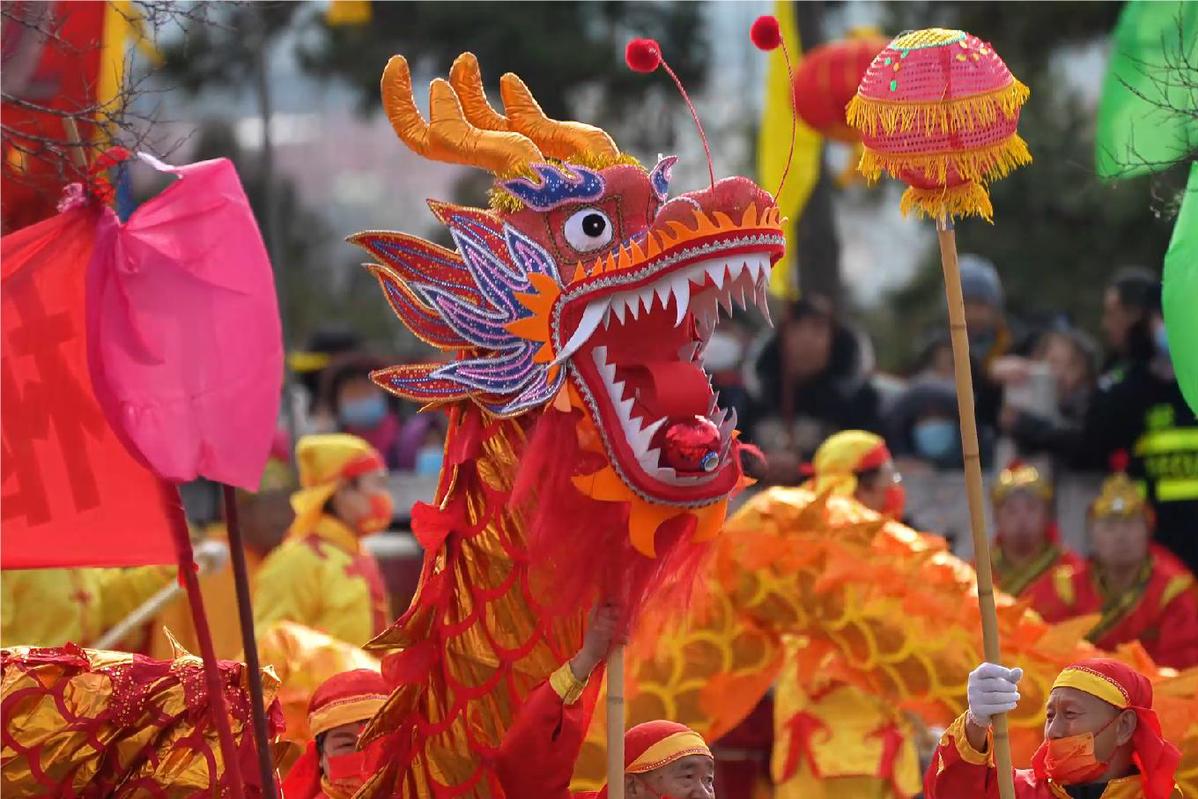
(1119, 460)
(765, 32)
(643, 55)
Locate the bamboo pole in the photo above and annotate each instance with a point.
(615, 723)
(249, 644)
(973, 485)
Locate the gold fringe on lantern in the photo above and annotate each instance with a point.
(983, 164)
(966, 199)
(964, 113)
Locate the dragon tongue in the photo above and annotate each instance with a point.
(672, 388)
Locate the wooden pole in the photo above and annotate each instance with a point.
(217, 707)
(249, 644)
(615, 723)
(973, 485)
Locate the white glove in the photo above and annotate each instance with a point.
(211, 556)
(992, 690)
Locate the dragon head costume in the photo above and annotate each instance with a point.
(587, 453)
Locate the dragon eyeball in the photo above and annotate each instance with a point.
(588, 229)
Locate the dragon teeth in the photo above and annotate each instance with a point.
(681, 290)
(762, 301)
(591, 317)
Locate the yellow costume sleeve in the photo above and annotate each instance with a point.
(8, 606)
(49, 607)
(122, 591)
(312, 584)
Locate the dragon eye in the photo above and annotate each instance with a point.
(588, 230)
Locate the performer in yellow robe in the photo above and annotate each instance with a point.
(264, 518)
(51, 607)
(832, 739)
(321, 576)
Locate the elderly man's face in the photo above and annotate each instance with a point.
(690, 777)
(1074, 712)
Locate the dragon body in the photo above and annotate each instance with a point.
(586, 455)
(808, 590)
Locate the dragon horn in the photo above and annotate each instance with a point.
(561, 140)
(467, 80)
(447, 136)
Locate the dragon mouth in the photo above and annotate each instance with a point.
(636, 355)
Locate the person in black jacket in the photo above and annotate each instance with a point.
(807, 381)
(1138, 409)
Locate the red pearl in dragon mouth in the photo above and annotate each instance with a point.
(689, 444)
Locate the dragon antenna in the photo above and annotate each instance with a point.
(644, 55)
(767, 35)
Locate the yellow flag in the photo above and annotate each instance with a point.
(773, 144)
(123, 25)
(348, 12)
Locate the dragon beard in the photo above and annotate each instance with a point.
(579, 549)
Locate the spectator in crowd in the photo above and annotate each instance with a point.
(1138, 408)
(1027, 544)
(321, 576)
(935, 357)
(1141, 590)
(924, 431)
(1069, 357)
(807, 381)
(308, 364)
(992, 335)
(362, 409)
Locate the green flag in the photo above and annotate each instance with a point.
(1154, 63)
(1179, 293)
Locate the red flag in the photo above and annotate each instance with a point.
(72, 495)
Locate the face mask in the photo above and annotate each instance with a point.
(347, 771)
(363, 413)
(935, 438)
(381, 509)
(428, 460)
(654, 793)
(1071, 760)
(896, 500)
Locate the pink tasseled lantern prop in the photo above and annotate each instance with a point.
(938, 109)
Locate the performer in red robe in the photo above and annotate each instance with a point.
(1102, 740)
(331, 766)
(1027, 543)
(662, 759)
(1141, 590)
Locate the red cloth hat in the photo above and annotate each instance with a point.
(656, 744)
(342, 699)
(1122, 686)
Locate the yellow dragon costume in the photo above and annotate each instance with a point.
(826, 589)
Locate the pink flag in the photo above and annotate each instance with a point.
(185, 345)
